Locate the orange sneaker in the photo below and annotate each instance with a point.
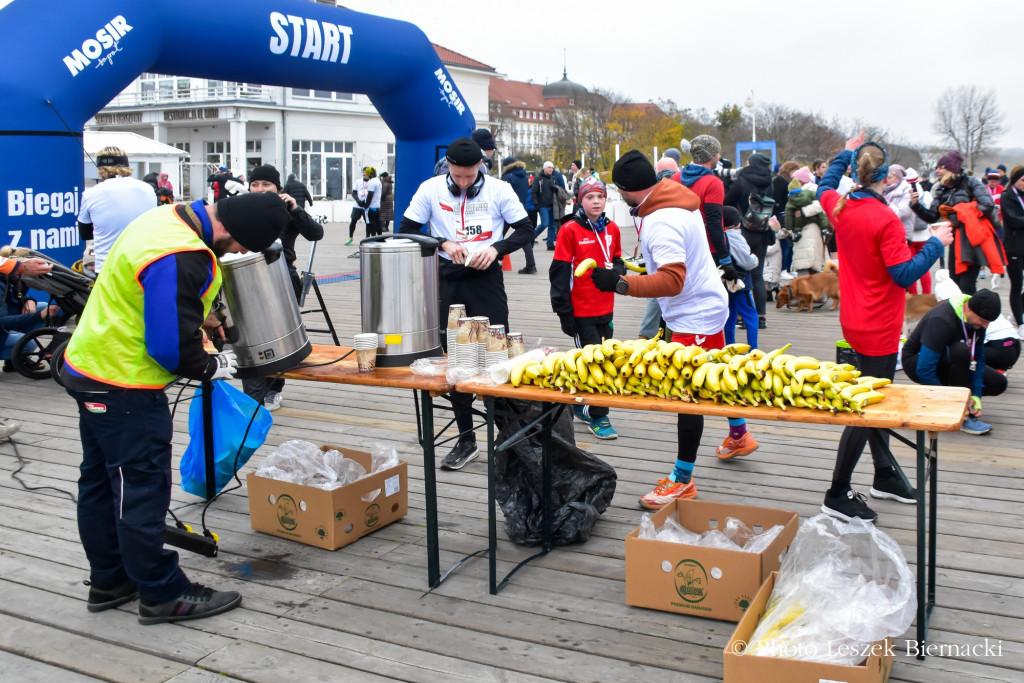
(666, 491)
(730, 448)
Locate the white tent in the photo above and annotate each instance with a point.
(145, 155)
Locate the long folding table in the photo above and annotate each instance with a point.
(924, 410)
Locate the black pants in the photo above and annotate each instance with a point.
(124, 489)
(1015, 269)
(954, 370)
(1002, 354)
(483, 293)
(528, 249)
(593, 330)
(372, 218)
(851, 443)
(967, 281)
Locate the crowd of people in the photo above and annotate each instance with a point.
(706, 235)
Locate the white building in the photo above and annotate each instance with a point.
(324, 137)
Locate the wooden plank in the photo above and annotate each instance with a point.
(938, 409)
(323, 366)
(81, 653)
(25, 670)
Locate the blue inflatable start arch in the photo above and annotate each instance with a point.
(66, 59)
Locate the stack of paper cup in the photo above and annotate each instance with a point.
(452, 346)
(481, 323)
(366, 351)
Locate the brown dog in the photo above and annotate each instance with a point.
(915, 308)
(808, 288)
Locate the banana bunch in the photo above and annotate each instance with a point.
(733, 375)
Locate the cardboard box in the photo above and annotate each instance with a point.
(743, 668)
(329, 519)
(704, 582)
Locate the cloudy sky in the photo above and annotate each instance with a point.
(883, 62)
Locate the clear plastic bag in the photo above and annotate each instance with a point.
(713, 538)
(301, 462)
(841, 587)
(760, 542)
(429, 366)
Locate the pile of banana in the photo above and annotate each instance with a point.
(734, 375)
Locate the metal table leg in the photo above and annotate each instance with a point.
(922, 609)
(550, 412)
(426, 436)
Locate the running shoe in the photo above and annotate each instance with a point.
(666, 491)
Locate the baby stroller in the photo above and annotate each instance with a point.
(69, 289)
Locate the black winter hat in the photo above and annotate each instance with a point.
(266, 172)
(731, 217)
(985, 303)
(633, 172)
(464, 152)
(255, 220)
(483, 137)
(758, 159)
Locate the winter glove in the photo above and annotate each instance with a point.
(728, 271)
(797, 236)
(227, 365)
(605, 279)
(568, 321)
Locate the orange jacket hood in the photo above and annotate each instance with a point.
(668, 194)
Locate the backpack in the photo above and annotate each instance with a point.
(759, 210)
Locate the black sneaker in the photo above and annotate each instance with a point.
(463, 452)
(528, 270)
(195, 603)
(762, 324)
(848, 505)
(101, 599)
(889, 485)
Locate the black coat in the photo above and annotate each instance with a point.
(751, 179)
(298, 192)
(543, 189)
(1013, 222)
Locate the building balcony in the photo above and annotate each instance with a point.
(225, 92)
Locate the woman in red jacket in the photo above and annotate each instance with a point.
(876, 268)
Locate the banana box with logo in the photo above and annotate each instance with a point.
(329, 519)
(741, 667)
(704, 582)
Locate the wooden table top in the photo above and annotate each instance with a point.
(934, 409)
(317, 367)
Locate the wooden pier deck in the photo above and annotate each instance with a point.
(362, 613)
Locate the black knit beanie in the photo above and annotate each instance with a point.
(985, 303)
(268, 173)
(633, 172)
(254, 220)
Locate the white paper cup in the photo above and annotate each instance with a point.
(365, 341)
(366, 359)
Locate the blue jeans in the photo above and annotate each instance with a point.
(742, 302)
(786, 246)
(547, 222)
(124, 490)
(13, 327)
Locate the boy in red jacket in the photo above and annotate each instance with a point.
(584, 311)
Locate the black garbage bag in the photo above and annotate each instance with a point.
(581, 485)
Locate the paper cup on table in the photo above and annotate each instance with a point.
(366, 351)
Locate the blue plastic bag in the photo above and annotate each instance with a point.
(232, 410)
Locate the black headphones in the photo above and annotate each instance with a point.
(472, 191)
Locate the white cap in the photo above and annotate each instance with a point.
(548, 164)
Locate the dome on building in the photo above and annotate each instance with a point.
(564, 88)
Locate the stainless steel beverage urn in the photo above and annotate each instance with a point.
(265, 327)
(398, 284)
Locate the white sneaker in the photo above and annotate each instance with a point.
(1020, 331)
(8, 428)
(995, 280)
(272, 401)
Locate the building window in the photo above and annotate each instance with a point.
(391, 158)
(184, 147)
(325, 166)
(218, 152)
(253, 146)
(324, 95)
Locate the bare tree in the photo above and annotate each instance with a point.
(969, 119)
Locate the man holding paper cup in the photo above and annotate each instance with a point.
(467, 210)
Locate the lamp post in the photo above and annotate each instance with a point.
(751, 104)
